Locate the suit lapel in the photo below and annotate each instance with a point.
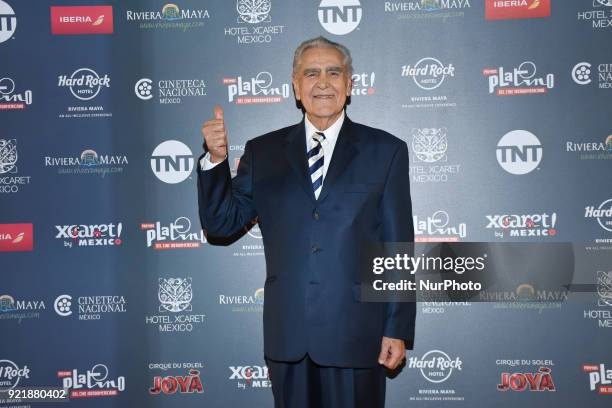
(295, 148)
(344, 151)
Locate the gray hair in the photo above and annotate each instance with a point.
(322, 42)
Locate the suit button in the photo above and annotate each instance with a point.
(315, 248)
(315, 215)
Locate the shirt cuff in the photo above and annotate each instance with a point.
(206, 164)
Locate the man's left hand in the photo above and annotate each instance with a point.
(392, 352)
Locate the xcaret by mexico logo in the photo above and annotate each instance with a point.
(250, 376)
(515, 9)
(523, 225)
(81, 20)
(16, 237)
(83, 235)
(363, 84)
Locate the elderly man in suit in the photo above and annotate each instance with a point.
(319, 189)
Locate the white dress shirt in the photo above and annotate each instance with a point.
(328, 144)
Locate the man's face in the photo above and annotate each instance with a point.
(322, 83)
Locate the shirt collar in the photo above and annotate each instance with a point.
(331, 133)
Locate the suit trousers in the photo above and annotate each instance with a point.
(305, 384)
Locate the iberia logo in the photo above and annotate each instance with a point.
(81, 20)
(512, 9)
(16, 237)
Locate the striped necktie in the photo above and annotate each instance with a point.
(315, 163)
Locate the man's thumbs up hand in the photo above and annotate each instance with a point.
(215, 136)
(218, 112)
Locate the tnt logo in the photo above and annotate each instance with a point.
(519, 152)
(340, 17)
(8, 21)
(172, 161)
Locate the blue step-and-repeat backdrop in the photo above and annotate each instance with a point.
(108, 286)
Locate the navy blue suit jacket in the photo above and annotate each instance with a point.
(312, 288)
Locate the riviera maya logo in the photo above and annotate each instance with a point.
(171, 12)
(431, 5)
